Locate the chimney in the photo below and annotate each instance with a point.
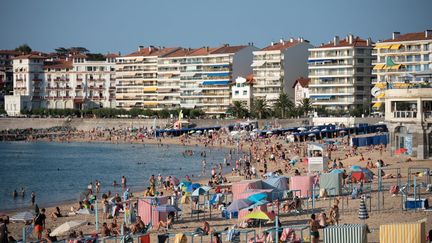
(291, 40)
(150, 49)
(272, 43)
(207, 48)
(336, 40)
(301, 39)
(281, 40)
(140, 47)
(428, 33)
(395, 35)
(350, 38)
(369, 41)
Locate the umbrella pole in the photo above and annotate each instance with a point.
(96, 215)
(277, 229)
(24, 234)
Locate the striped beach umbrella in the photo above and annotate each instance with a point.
(363, 213)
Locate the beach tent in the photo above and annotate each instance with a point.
(302, 183)
(242, 213)
(242, 186)
(68, 226)
(251, 192)
(353, 233)
(332, 182)
(238, 205)
(147, 209)
(403, 232)
(23, 216)
(280, 183)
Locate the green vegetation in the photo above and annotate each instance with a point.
(24, 48)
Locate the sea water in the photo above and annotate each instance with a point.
(60, 172)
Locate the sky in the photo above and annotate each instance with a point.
(123, 25)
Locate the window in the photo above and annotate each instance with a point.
(236, 92)
(359, 70)
(426, 57)
(360, 60)
(360, 88)
(244, 92)
(426, 67)
(417, 67)
(360, 51)
(359, 79)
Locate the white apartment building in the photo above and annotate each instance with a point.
(340, 73)
(59, 83)
(277, 66)
(208, 73)
(399, 60)
(301, 90)
(242, 90)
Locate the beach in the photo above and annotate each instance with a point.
(390, 212)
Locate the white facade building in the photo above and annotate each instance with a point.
(276, 67)
(242, 90)
(340, 73)
(399, 60)
(301, 90)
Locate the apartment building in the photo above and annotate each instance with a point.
(277, 66)
(400, 60)
(6, 71)
(340, 73)
(242, 90)
(55, 82)
(301, 90)
(208, 73)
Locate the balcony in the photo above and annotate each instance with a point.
(79, 87)
(405, 114)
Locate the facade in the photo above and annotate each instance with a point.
(277, 66)
(171, 78)
(69, 82)
(408, 115)
(398, 59)
(340, 73)
(242, 90)
(6, 71)
(14, 104)
(301, 90)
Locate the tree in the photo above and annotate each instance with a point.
(306, 106)
(79, 49)
(62, 51)
(284, 106)
(260, 108)
(237, 109)
(24, 48)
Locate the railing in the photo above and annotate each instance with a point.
(404, 114)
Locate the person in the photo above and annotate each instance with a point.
(56, 214)
(22, 192)
(323, 221)
(90, 188)
(39, 223)
(105, 231)
(216, 238)
(138, 226)
(33, 198)
(205, 230)
(48, 237)
(126, 194)
(106, 206)
(152, 182)
(123, 181)
(166, 224)
(14, 194)
(314, 226)
(334, 213)
(98, 184)
(3, 231)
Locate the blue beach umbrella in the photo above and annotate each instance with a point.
(185, 183)
(193, 187)
(257, 197)
(257, 204)
(356, 168)
(238, 205)
(200, 191)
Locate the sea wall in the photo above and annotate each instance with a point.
(88, 124)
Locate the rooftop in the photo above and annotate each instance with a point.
(350, 40)
(304, 82)
(58, 64)
(426, 35)
(282, 44)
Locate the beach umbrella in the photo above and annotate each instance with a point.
(269, 132)
(184, 183)
(257, 204)
(401, 151)
(199, 132)
(68, 226)
(211, 130)
(168, 208)
(193, 187)
(363, 213)
(257, 197)
(301, 129)
(23, 216)
(201, 190)
(356, 168)
(255, 130)
(174, 181)
(238, 205)
(260, 215)
(311, 135)
(368, 173)
(85, 211)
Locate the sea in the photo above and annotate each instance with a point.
(60, 172)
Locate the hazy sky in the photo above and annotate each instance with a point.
(123, 25)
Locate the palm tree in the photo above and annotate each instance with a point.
(306, 106)
(284, 105)
(259, 106)
(237, 109)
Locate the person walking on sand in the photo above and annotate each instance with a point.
(33, 198)
(39, 223)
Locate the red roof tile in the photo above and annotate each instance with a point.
(227, 49)
(180, 52)
(111, 55)
(250, 79)
(30, 56)
(279, 46)
(202, 51)
(145, 51)
(59, 64)
(9, 52)
(304, 82)
(410, 37)
(357, 42)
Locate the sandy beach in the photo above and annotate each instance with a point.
(390, 212)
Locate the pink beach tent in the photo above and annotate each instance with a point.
(147, 210)
(242, 186)
(302, 183)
